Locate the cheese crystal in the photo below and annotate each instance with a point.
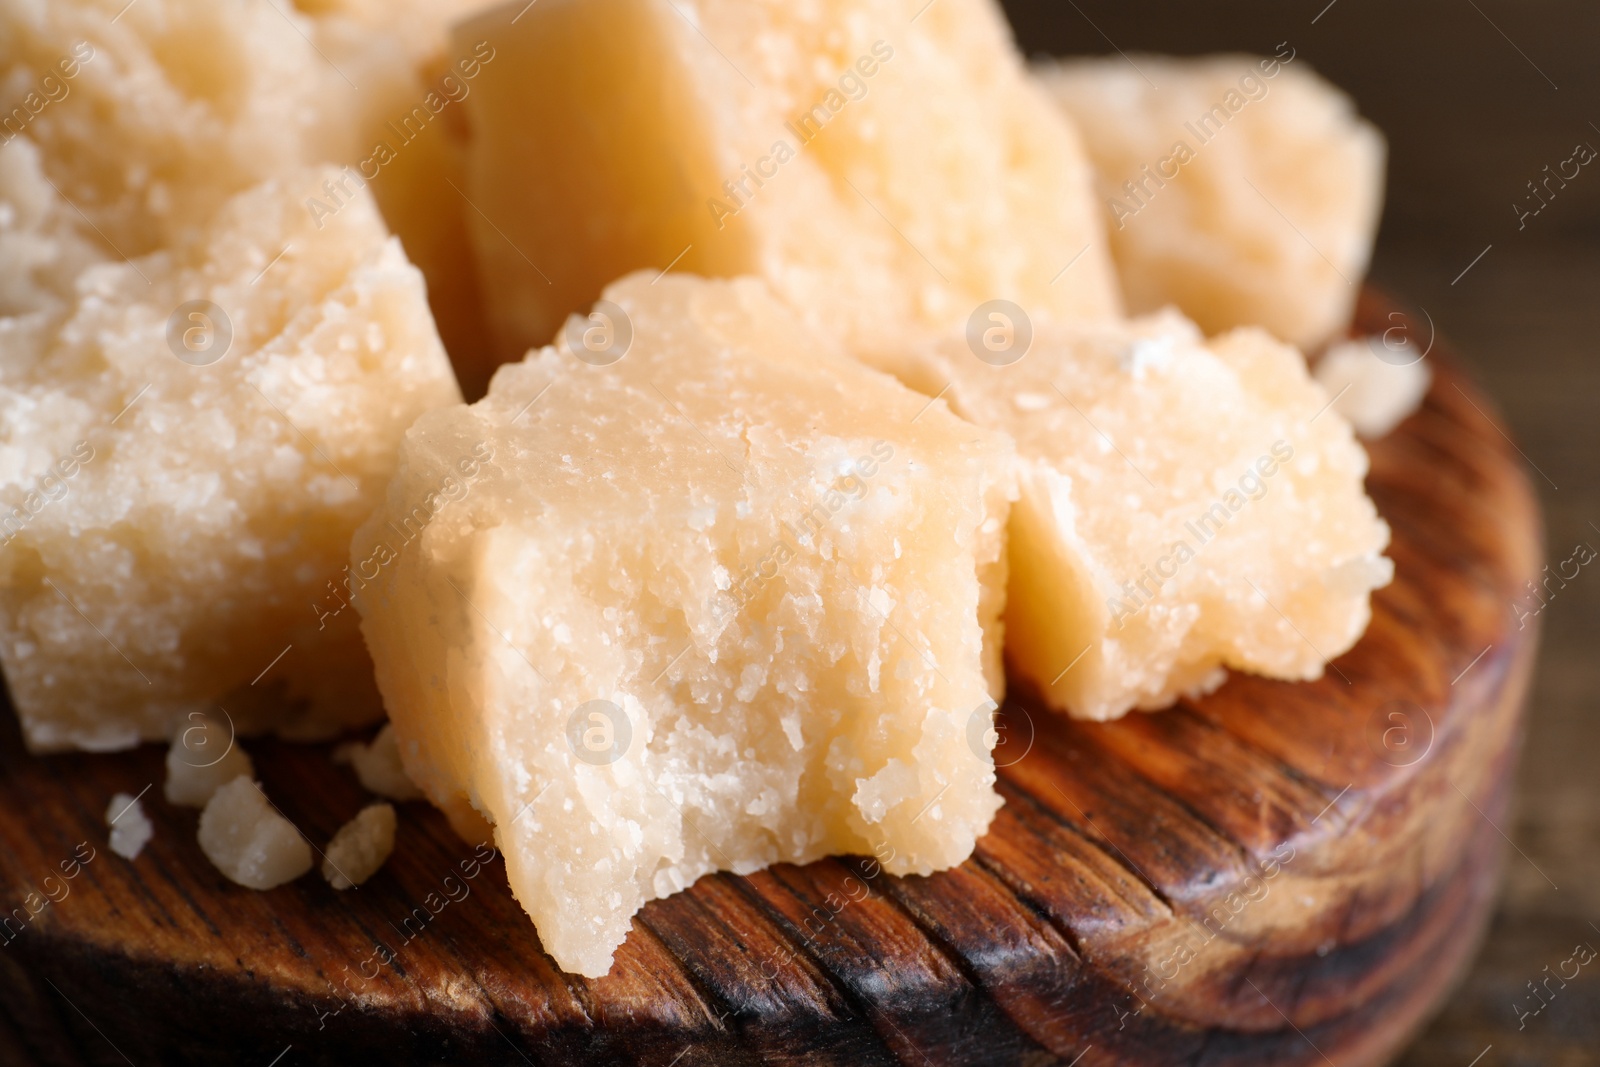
(701, 594)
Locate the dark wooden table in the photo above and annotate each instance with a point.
(1476, 96)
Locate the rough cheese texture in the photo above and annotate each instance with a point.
(170, 529)
(884, 175)
(246, 839)
(204, 757)
(130, 826)
(729, 601)
(1373, 384)
(173, 106)
(378, 767)
(360, 847)
(1185, 507)
(1262, 195)
(177, 105)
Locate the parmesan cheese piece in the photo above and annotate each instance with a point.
(1375, 385)
(1245, 191)
(246, 839)
(703, 594)
(155, 113)
(360, 847)
(378, 766)
(885, 174)
(130, 826)
(1185, 507)
(203, 757)
(151, 115)
(184, 453)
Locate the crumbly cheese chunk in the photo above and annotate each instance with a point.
(185, 450)
(130, 826)
(1375, 385)
(885, 174)
(246, 838)
(378, 765)
(151, 115)
(204, 756)
(1245, 191)
(360, 847)
(728, 600)
(1185, 507)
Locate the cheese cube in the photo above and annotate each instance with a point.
(692, 591)
(1245, 191)
(152, 114)
(1185, 507)
(885, 169)
(183, 458)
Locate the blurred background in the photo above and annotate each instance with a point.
(1476, 98)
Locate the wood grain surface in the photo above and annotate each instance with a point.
(1276, 874)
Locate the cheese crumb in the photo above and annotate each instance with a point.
(130, 826)
(378, 765)
(1375, 387)
(204, 757)
(360, 847)
(248, 841)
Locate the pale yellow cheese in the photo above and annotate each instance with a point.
(731, 599)
(378, 767)
(360, 847)
(885, 169)
(1245, 191)
(150, 115)
(204, 756)
(1185, 507)
(249, 840)
(171, 528)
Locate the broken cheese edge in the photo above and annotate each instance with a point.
(729, 602)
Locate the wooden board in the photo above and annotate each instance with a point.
(1277, 874)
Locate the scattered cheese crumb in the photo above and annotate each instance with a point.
(203, 758)
(360, 847)
(130, 827)
(378, 766)
(248, 841)
(1375, 394)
